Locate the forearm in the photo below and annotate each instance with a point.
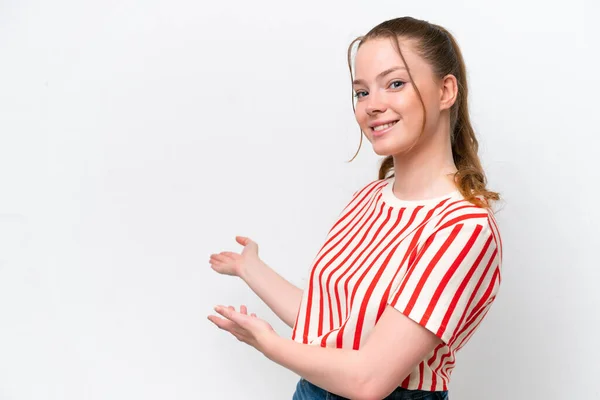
(335, 370)
(280, 295)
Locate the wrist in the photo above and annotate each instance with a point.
(269, 345)
(246, 272)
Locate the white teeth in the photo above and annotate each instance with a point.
(382, 127)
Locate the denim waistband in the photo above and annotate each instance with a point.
(308, 391)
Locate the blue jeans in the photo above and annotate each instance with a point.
(307, 391)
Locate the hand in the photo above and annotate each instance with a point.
(246, 328)
(234, 264)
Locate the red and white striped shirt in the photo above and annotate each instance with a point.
(437, 261)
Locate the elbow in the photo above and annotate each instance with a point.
(375, 386)
(369, 393)
(369, 381)
(369, 389)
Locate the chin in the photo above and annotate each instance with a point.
(397, 141)
(384, 149)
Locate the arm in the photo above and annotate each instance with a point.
(467, 267)
(281, 296)
(465, 261)
(370, 373)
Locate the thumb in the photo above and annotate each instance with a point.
(242, 240)
(247, 242)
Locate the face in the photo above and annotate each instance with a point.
(384, 94)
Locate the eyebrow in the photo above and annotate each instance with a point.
(382, 74)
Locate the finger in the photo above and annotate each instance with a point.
(223, 324)
(243, 309)
(230, 255)
(220, 258)
(253, 315)
(227, 312)
(216, 261)
(231, 314)
(238, 336)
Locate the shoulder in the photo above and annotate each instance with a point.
(464, 222)
(458, 210)
(462, 215)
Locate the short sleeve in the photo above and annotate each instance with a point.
(452, 280)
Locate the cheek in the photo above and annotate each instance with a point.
(410, 104)
(408, 107)
(431, 104)
(361, 116)
(412, 112)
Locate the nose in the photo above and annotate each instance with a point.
(375, 105)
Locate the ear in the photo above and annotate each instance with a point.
(448, 92)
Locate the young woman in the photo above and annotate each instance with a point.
(412, 264)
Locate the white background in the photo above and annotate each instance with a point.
(138, 137)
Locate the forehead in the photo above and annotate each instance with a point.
(376, 55)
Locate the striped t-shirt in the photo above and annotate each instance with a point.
(437, 261)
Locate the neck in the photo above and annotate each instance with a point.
(426, 171)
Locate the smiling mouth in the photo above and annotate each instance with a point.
(384, 127)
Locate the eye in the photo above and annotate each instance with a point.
(401, 83)
(393, 85)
